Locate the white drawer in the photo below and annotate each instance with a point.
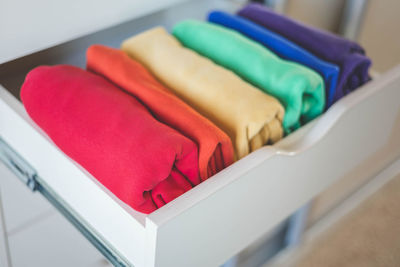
(359, 135)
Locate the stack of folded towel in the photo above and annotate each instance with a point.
(345, 54)
(168, 111)
(248, 116)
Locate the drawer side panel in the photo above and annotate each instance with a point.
(223, 215)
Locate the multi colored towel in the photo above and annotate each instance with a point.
(348, 55)
(300, 89)
(282, 47)
(215, 147)
(248, 116)
(112, 135)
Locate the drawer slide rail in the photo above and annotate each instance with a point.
(28, 175)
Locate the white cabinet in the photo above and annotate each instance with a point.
(29, 26)
(359, 135)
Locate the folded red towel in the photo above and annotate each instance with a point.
(112, 135)
(215, 147)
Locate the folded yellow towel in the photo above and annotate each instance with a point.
(250, 117)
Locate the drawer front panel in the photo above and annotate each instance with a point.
(228, 212)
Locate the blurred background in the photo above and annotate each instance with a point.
(372, 23)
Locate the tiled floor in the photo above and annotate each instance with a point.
(38, 235)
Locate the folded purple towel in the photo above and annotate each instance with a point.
(348, 55)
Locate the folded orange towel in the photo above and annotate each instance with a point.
(215, 147)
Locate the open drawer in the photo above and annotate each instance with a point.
(357, 136)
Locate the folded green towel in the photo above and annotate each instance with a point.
(300, 89)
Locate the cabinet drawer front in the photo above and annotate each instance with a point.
(359, 135)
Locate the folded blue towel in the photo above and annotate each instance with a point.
(348, 55)
(282, 47)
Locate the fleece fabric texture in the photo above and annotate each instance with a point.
(248, 116)
(281, 46)
(348, 55)
(112, 135)
(215, 147)
(300, 89)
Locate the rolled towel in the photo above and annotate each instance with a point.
(348, 55)
(215, 147)
(282, 47)
(248, 116)
(112, 135)
(300, 89)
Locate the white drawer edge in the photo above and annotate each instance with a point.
(120, 226)
(294, 144)
(258, 185)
